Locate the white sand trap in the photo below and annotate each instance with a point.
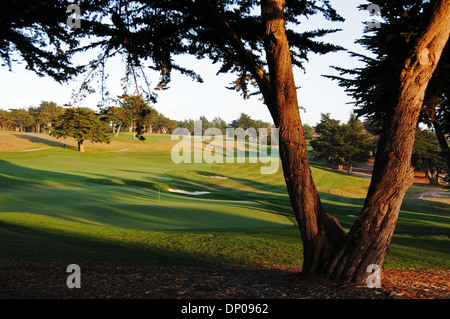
(123, 150)
(209, 176)
(180, 191)
(35, 149)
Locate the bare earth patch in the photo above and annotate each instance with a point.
(48, 280)
(435, 195)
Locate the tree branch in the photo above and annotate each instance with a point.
(215, 19)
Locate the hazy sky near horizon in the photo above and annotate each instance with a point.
(186, 99)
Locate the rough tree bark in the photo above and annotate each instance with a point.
(321, 233)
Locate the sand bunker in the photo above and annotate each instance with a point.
(211, 176)
(180, 191)
(35, 149)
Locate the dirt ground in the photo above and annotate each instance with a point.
(420, 179)
(22, 280)
(365, 170)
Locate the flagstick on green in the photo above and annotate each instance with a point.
(159, 195)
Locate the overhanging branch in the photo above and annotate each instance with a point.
(215, 20)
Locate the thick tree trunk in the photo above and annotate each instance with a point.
(118, 131)
(81, 146)
(370, 236)
(321, 233)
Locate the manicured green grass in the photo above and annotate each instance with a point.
(106, 206)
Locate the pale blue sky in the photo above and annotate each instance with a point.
(187, 99)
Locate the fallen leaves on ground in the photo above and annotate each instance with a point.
(48, 280)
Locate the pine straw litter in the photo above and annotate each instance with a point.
(38, 280)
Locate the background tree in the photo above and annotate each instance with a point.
(244, 121)
(117, 116)
(136, 110)
(308, 131)
(206, 124)
(163, 124)
(5, 120)
(219, 123)
(427, 156)
(330, 141)
(342, 144)
(149, 120)
(21, 118)
(187, 124)
(45, 113)
(82, 124)
(358, 143)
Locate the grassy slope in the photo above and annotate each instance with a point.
(58, 204)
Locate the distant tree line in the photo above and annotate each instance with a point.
(130, 113)
(342, 144)
(244, 121)
(33, 119)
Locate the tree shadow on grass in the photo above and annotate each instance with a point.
(12, 176)
(429, 244)
(92, 201)
(346, 209)
(277, 199)
(40, 140)
(28, 243)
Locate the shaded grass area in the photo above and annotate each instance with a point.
(65, 241)
(59, 204)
